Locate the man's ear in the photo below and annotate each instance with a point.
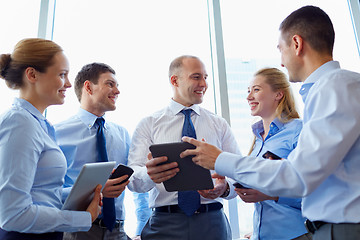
(88, 87)
(298, 44)
(30, 74)
(174, 80)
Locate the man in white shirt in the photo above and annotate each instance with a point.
(188, 79)
(324, 167)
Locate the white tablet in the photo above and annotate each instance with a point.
(90, 176)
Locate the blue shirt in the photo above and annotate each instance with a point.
(142, 211)
(282, 219)
(77, 139)
(324, 167)
(32, 174)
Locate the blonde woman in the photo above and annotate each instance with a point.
(269, 97)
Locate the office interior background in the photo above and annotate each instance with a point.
(139, 38)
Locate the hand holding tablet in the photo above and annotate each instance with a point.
(190, 176)
(82, 191)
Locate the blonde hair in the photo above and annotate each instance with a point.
(286, 110)
(30, 52)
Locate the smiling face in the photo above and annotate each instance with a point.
(52, 84)
(262, 100)
(103, 95)
(190, 82)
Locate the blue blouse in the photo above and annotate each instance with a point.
(32, 174)
(277, 219)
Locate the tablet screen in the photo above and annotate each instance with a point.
(190, 176)
(90, 176)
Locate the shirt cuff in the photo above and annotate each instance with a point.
(78, 220)
(225, 164)
(232, 194)
(140, 181)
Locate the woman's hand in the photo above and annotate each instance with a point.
(249, 195)
(94, 207)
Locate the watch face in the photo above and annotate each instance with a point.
(227, 191)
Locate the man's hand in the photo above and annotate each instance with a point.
(205, 154)
(253, 196)
(113, 191)
(94, 207)
(218, 190)
(162, 172)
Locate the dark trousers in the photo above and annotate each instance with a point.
(5, 235)
(340, 231)
(211, 225)
(97, 232)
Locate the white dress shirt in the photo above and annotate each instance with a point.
(165, 126)
(324, 168)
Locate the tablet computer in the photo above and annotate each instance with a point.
(190, 176)
(82, 192)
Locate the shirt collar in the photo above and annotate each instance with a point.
(275, 126)
(176, 107)
(326, 67)
(22, 103)
(45, 125)
(315, 76)
(88, 118)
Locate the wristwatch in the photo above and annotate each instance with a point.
(226, 192)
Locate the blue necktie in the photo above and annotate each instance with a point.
(189, 201)
(108, 212)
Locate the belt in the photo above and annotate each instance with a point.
(99, 222)
(202, 209)
(4, 235)
(313, 226)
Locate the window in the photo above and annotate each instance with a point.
(139, 44)
(138, 39)
(13, 29)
